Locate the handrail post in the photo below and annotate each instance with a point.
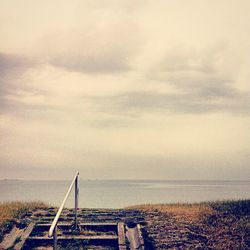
(76, 200)
(55, 238)
(53, 227)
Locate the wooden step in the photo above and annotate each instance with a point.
(76, 237)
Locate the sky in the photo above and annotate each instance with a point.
(125, 89)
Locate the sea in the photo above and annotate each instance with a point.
(123, 193)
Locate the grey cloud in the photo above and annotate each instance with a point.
(92, 63)
(111, 122)
(190, 60)
(13, 64)
(12, 69)
(206, 86)
(216, 90)
(190, 69)
(199, 86)
(192, 102)
(107, 42)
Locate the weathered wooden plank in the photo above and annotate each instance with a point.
(134, 238)
(121, 234)
(78, 237)
(140, 234)
(10, 238)
(81, 224)
(24, 236)
(122, 247)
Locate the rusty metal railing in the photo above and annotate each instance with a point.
(53, 227)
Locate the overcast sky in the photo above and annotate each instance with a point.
(125, 89)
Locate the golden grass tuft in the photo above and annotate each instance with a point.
(11, 210)
(187, 211)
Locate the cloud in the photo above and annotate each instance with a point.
(12, 67)
(16, 96)
(195, 102)
(199, 83)
(13, 64)
(92, 63)
(104, 39)
(101, 76)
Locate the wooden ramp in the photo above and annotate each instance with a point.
(97, 229)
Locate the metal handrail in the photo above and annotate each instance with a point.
(53, 227)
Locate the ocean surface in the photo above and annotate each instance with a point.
(122, 193)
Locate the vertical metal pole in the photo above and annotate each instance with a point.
(55, 237)
(76, 200)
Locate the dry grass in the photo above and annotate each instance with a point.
(187, 211)
(12, 210)
(208, 225)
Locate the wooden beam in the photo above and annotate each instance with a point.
(24, 236)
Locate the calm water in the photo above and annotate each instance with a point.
(118, 194)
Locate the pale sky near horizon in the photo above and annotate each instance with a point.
(125, 89)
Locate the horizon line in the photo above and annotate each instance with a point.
(119, 179)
